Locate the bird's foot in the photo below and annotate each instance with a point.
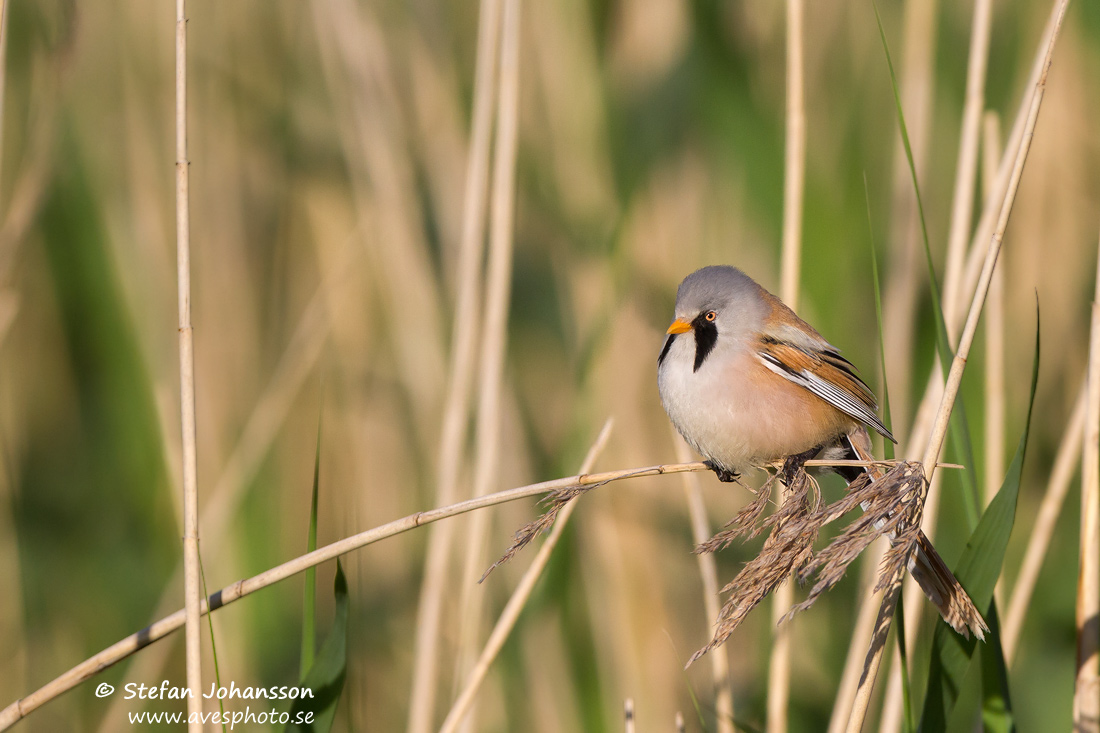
(723, 475)
(796, 463)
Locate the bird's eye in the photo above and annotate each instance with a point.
(711, 315)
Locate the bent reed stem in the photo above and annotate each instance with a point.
(156, 631)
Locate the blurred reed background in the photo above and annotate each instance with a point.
(329, 144)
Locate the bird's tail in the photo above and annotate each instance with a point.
(925, 564)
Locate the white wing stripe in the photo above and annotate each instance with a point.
(827, 391)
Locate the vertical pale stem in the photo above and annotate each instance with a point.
(795, 160)
(962, 205)
(4, 5)
(861, 637)
(994, 335)
(874, 654)
(510, 615)
(903, 279)
(191, 586)
(1086, 693)
(779, 666)
(958, 365)
(891, 718)
(1065, 466)
(455, 412)
(494, 334)
(708, 571)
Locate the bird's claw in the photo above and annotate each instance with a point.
(723, 475)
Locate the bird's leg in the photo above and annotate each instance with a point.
(795, 463)
(723, 475)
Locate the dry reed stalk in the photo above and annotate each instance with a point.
(1086, 691)
(192, 588)
(903, 279)
(518, 600)
(30, 186)
(988, 220)
(779, 663)
(1065, 466)
(891, 718)
(297, 362)
(708, 571)
(794, 174)
(862, 698)
(958, 365)
(353, 53)
(19, 709)
(457, 407)
(994, 339)
(628, 715)
(912, 596)
(13, 645)
(9, 548)
(962, 205)
(861, 637)
(994, 438)
(4, 5)
(494, 331)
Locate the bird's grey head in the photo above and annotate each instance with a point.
(716, 300)
(731, 294)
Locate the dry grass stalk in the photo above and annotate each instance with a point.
(357, 67)
(987, 223)
(30, 186)
(156, 631)
(296, 364)
(874, 654)
(1065, 466)
(456, 409)
(520, 596)
(1086, 692)
(495, 330)
(962, 205)
(994, 336)
(958, 365)
(994, 195)
(4, 5)
(903, 279)
(708, 571)
(994, 433)
(779, 665)
(861, 637)
(192, 587)
(628, 715)
(891, 507)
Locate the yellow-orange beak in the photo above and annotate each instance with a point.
(679, 326)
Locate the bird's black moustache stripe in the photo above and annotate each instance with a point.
(706, 336)
(667, 346)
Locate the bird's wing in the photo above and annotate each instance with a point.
(814, 364)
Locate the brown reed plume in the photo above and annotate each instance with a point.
(891, 506)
